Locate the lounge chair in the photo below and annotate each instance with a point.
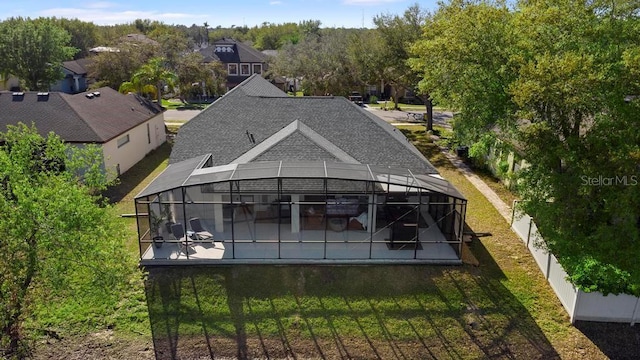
(178, 233)
(201, 233)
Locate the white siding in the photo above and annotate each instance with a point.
(140, 144)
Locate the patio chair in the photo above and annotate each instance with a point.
(200, 232)
(178, 233)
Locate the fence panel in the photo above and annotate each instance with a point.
(539, 254)
(597, 307)
(520, 225)
(564, 289)
(583, 306)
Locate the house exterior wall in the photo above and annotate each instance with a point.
(70, 84)
(122, 155)
(9, 83)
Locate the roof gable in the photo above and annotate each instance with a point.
(282, 151)
(306, 141)
(257, 108)
(232, 51)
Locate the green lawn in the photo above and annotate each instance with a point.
(175, 104)
(502, 308)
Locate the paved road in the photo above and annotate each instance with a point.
(441, 118)
(180, 115)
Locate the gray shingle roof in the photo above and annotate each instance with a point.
(77, 118)
(258, 108)
(242, 53)
(78, 67)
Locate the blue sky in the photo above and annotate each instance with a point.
(332, 13)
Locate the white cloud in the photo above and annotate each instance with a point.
(275, 2)
(100, 15)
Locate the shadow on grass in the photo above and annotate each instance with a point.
(331, 312)
(615, 340)
(134, 176)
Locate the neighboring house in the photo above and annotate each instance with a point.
(126, 127)
(74, 81)
(260, 176)
(75, 77)
(135, 39)
(9, 82)
(240, 60)
(504, 160)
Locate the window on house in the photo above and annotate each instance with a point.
(148, 134)
(244, 70)
(232, 69)
(123, 140)
(257, 68)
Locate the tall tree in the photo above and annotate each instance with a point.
(84, 35)
(555, 78)
(316, 62)
(193, 74)
(571, 87)
(112, 68)
(33, 50)
(399, 33)
(56, 235)
(155, 73)
(464, 57)
(366, 51)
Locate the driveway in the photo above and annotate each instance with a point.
(440, 118)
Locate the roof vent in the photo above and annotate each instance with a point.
(90, 96)
(43, 96)
(96, 93)
(18, 96)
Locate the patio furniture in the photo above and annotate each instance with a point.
(200, 232)
(178, 233)
(337, 223)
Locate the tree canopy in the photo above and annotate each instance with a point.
(33, 50)
(155, 73)
(555, 79)
(57, 236)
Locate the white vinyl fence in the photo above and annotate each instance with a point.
(580, 305)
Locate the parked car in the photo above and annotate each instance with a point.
(356, 98)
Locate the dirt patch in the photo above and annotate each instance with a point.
(100, 345)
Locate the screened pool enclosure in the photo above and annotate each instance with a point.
(296, 212)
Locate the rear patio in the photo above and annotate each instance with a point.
(315, 212)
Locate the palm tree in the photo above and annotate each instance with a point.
(135, 87)
(156, 74)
